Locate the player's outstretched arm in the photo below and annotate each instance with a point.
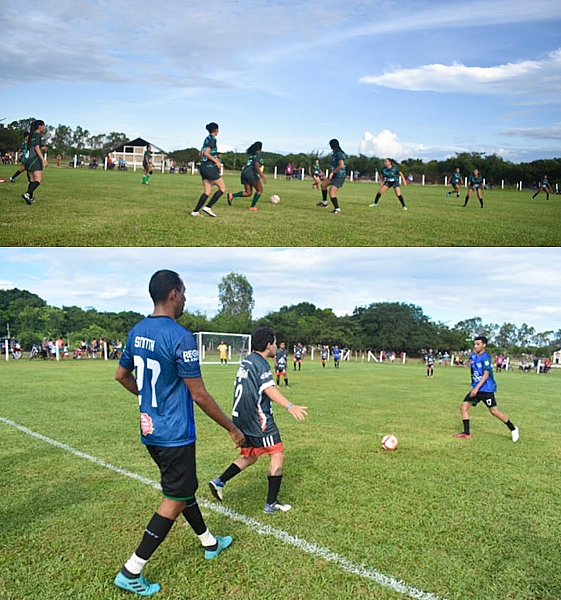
(298, 412)
(208, 405)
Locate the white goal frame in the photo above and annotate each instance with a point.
(207, 342)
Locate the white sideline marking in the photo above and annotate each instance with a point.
(310, 547)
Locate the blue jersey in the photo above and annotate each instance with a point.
(163, 353)
(482, 363)
(336, 354)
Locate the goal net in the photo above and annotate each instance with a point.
(238, 346)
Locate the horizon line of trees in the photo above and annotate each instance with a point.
(66, 141)
(390, 326)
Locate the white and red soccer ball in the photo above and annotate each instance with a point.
(275, 199)
(389, 442)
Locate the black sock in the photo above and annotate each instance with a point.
(16, 174)
(274, 486)
(400, 198)
(465, 203)
(510, 425)
(286, 381)
(193, 516)
(466, 426)
(33, 185)
(534, 196)
(324, 196)
(481, 202)
(377, 198)
(200, 203)
(335, 202)
(230, 472)
(154, 534)
(215, 198)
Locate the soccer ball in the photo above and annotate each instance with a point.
(389, 442)
(275, 199)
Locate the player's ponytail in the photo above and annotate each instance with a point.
(211, 127)
(255, 147)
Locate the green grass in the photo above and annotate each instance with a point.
(474, 519)
(83, 207)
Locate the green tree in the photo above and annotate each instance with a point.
(235, 295)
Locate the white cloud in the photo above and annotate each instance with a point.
(386, 143)
(526, 77)
(541, 133)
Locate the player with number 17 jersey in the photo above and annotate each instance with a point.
(252, 411)
(163, 353)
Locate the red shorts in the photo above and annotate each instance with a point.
(251, 451)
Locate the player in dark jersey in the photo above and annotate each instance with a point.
(167, 381)
(336, 177)
(429, 361)
(298, 356)
(544, 186)
(317, 174)
(210, 173)
(456, 181)
(147, 164)
(252, 176)
(483, 390)
(336, 356)
(324, 356)
(252, 412)
(281, 360)
(390, 179)
(475, 182)
(22, 158)
(35, 161)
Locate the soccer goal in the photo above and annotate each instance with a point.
(238, 346)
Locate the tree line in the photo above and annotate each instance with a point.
(63, 140)
(390, 326)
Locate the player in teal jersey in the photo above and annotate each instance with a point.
(252, 412)
(544, 186)
(456, 181)
(22, 158)
(160, 366)
(317, 174)
(390, 179)
(35, 161)
(147, 164)
(252, 176)
(336, 178)
(210, 173)
(483, 390)
(475, 182)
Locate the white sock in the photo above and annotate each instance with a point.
(207, 539)
(135, 564)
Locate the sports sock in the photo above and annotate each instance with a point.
(286, 381)
(133, 567)
(377, 198)
(274, 486)
(466, 426)
(510, 425)
(400, 198)
(16, 174)
(481, 202)
(200, 203)
(230, 472)
(144, 179)
(324, 196)
(215, 198)
(193, 516)
(237, 195)
(547, 196)
(255, 199)
(33, 185)
(208, 540)
(534, 196)
(465, 203)
(154, 534)
(335, 202)
(148, 177)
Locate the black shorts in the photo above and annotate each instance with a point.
(487, 397)
(249, 178)
(338, 181)
(33, 164)
(178, 470)
(209, 171)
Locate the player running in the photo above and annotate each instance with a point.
(281, 361)
(336, 357)
(456, 181)
(22, 158)
(252, 176)
(254, 393)
(543, 186)
(35, 162)
(147, 164)
(336, 178)
(210, 173)
(483, 390)
(390, 179)
(475, 182)
(317, 174)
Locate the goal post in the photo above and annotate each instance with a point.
(238, 346)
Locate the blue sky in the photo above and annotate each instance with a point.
(402, 78)
(516, 285)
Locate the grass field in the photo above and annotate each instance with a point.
(450, 518)
(84, 207)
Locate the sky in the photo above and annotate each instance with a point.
(512, 285)
(402, 78)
